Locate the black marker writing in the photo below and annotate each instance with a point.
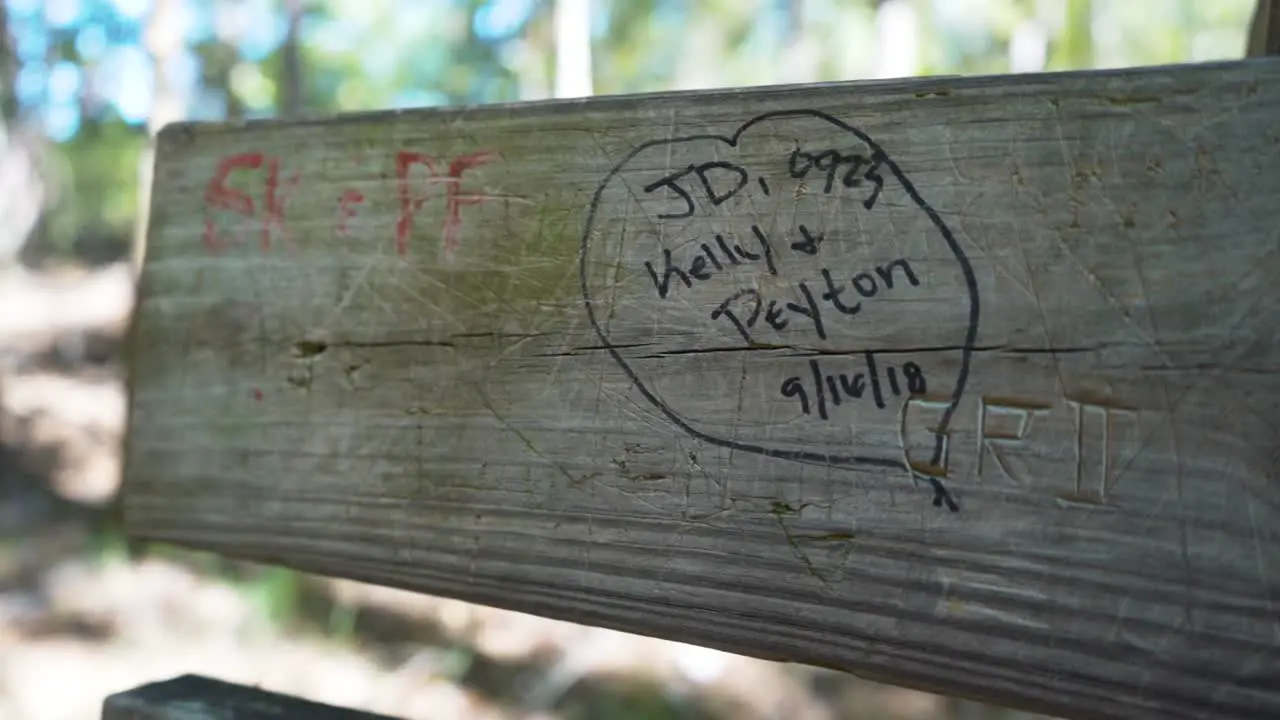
(749, 305)
(809, 310)
(832, 161)
(709, 260)
(769, 279)
(725, 310)
(808, 246)
(779, 314)
(670, 269)
(712, 184)
(832, 295)
(768, 249)
(853, 386)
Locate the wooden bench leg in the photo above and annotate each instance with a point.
(192, 697)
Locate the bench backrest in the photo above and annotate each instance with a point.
(963, 384)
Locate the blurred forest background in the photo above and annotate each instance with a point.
(84, 85)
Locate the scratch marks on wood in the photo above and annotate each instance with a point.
(824, 555)
(1003, 424)
(1115, 543)
(524, 439)
(1014, 434)
(1095, 451)
(1147, 336)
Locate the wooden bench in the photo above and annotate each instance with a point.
(969, 384)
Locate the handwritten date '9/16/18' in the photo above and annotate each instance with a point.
(833, 389)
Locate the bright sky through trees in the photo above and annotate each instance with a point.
(106, 37)
(82, 70)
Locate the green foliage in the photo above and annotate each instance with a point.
(93, 181)
(276, 593)
(631, 56)
(362, 54)
(632, 699)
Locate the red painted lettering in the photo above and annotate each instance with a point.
(273, 213)
(409, 203)
(277, 191)
(455, 198)
(345, 209)
(218, 195)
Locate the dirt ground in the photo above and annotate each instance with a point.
(82, 617)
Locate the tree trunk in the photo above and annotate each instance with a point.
(800, 54)
(573, 48)
(8, 72)
(163, 40)
(1264, 31)
(1077, 36)
(229, 20)
(291, 63)
(21, 184)
(897, 39)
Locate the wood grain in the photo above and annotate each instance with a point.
(193, 697)
(1039, 460)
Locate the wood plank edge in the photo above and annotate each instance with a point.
(176, 134)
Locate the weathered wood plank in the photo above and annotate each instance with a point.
(1021, 446)
(192, 697)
